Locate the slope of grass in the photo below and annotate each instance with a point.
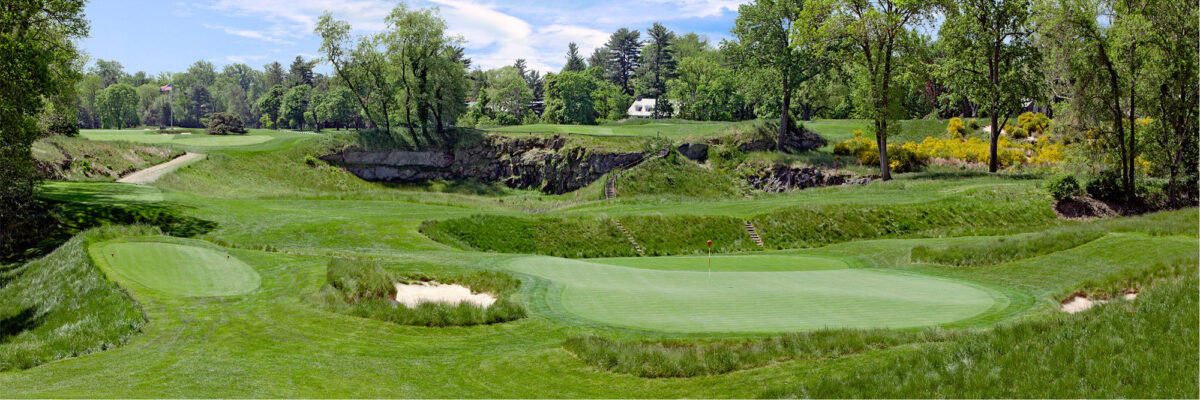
(563, 237)
(79, 159)
(1006, 249)
(678, 176)
(61, 305)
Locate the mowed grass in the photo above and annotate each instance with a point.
(692, 300)
(256, 139)
(178, 269)
(674, 129)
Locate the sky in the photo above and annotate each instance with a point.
(168, 36)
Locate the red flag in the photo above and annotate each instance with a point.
(709, 243)
(165, 88)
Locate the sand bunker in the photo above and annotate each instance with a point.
(432, 292)
(1080, 302)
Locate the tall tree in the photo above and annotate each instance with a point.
(990, 58)
(37, 55)
(293, 105)
(299, 73)
(601, 57)
(625, 49)
(575, 62)
(269, 104)
(1172, 82)
(876, 28)
(272, 75)
(658, 66)
(109, 71)
(118, 106)
(765, 40)
(1104, 44)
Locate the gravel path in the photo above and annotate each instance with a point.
(152, 174)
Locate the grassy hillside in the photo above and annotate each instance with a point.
(62, 305)
(80, 159)
(678, 176)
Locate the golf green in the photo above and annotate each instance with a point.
(190, 140)
(750, 294)
(178, 269)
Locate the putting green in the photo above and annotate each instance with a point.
(190, 140)
(178, 269)
(751, 294)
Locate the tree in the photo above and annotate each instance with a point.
(293, 105)
(765, 40)
(272, 75)
(990, 58)
(625, 48)
(705, 89)
(569, 98)
(1174, 57)
(270, 102)
(37, 55)
(118, 106)
(146, 95)
(201, 73)
(201, 104)
(336, 107)
(224, 124)
(690, 45)
(875, 29)
(600, 57)
(658, 66)
(109, 71)
(300, 73)
(509, 92)
(88, 88)
(1102, 43)
(575, 62)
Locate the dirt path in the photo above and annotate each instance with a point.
(152, 174)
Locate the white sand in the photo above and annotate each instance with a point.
(432, 292)
(1082, 303)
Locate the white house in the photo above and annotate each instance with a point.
(644, 108)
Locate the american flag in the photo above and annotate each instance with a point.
(165, 88)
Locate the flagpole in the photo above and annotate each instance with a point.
(171, 107)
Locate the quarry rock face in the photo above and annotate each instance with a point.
(697, 152)
(782, 178)
(523, 163)
(794, 141)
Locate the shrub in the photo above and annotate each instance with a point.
(1062, 187)
(973, 124)
(955, 128)
(1018, 133)
(224, 124)
(901, 158)
(1033, 123)
(506, 119)
(1106, 186)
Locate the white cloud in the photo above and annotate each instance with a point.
(246, 33)
(703, 8)
(244, 59)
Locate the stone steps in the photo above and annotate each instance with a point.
(637, 247)
(754, 234)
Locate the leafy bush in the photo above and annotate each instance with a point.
(506, 119)
(224, 124)
(1033, 123)
(1106, 186)
(955, 128)
(855, 146)
(973, 124)
(365, 289)
(1007, 249)
(1018, 133)
(1062, 187)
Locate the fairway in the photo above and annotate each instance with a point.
(751, 294)
(178, 269)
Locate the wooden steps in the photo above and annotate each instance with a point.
(610, 186)
(754, 234)
(637, 247)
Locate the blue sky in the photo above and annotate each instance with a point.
(168, 35)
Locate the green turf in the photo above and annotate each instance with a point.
(675, 129)
(671, 297)
(178, 269)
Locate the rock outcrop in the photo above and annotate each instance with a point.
(524, 163)
(794, 141)
(782, 178)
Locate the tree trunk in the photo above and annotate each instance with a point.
(885, 171)
(784, 114)
(993, 161)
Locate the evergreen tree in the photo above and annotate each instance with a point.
(658, 66)
(625, 48)
(575, 62)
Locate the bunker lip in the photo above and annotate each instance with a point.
(1079, 301)
(412, 295)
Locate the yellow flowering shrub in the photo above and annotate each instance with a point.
(955, 128)
(1033, 123)
(909, 156)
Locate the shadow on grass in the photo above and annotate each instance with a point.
(18, 323)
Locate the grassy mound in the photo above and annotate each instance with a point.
(678, 176)
(62, 305)
(785, 228)
(366, 289)
(179, 269)
(687, 358)
(1006, 249)
(562, 237)
(79, 159)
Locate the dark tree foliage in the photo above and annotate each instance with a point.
(658, 66)
(625, 49)
(224, 124)
(36, 56)
(575, 62)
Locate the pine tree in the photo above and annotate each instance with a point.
(625, 49)
(658, 66)
(575, 62)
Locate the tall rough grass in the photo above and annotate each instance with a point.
(1144, 348)
(365, 289)
(79, 159)
(62, 305)
(688, 358)
(1009, 248)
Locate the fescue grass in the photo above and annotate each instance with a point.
(676, 175)
(62, 305)
(79, 159)
(1144, 348)
(365, 289)
(562, 237)
(689, 358)
(1008, 248)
